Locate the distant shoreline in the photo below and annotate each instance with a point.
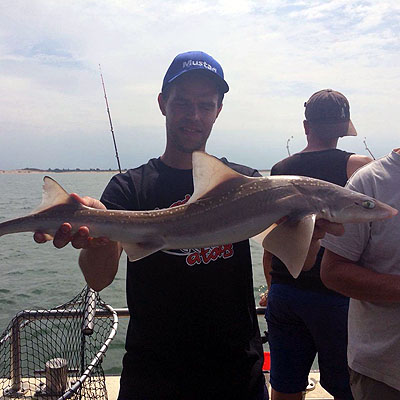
(66, 171)
(57, 171)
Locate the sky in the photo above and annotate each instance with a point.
(275, 55)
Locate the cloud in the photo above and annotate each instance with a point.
(275, 55)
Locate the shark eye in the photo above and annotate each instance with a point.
(368, 204)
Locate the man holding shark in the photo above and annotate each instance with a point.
(193, 332)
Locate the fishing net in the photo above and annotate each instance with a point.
(57, 354)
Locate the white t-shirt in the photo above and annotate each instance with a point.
(374, 329)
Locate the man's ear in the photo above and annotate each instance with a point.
(161, 103)
(219, 110)
(306, 125)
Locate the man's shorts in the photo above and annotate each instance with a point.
(365, 388)
(301, 324)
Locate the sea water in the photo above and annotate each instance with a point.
(34, 276)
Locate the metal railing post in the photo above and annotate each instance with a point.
(15, 352)
(89, 311)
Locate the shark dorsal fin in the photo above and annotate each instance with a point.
(53, 194)
(209, 172)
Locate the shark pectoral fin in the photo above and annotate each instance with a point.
(262, 235)
(136, 251)
(290, 242)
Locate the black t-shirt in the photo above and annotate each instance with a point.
(192, 310)
(328, 165)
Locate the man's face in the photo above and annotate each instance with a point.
(190, 110)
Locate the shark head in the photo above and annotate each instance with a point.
(346, 206)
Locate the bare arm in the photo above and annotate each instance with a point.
(99, 265)
(99, 257)
(356, 161)
(267, 258)
(322, 226)
(350, 279)
(312, 254)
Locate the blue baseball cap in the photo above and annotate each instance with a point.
(195, 60)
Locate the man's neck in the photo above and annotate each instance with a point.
(175, 160)
(316, 144)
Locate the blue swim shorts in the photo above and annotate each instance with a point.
(301, 325)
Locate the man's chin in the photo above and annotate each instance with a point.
(190, 149)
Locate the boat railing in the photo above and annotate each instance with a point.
(88, 313)
(56, 371)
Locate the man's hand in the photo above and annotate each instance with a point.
(81, 239)
(322, 226)
(263, 299)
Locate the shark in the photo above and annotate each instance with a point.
(226, 207)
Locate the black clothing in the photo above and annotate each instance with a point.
(193, 332)
(328, 165)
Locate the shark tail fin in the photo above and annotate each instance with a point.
(53, 194)
(209, 175)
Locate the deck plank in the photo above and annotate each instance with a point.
(318, 393)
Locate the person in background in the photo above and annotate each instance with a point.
(364, 264)
(193, 332)
(304, 317)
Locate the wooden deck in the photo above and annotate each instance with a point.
(318, 393)
(112, 382)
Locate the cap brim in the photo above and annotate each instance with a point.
(337, 129)
(351, 131)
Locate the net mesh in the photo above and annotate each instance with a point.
(57, 353)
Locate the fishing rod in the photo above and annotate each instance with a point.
(287, 145)
(366, 148)
(109, 118)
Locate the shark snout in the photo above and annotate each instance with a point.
(391, 212)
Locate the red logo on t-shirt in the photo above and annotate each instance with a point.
(203, 255)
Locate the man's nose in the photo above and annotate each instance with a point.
(193, 111)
